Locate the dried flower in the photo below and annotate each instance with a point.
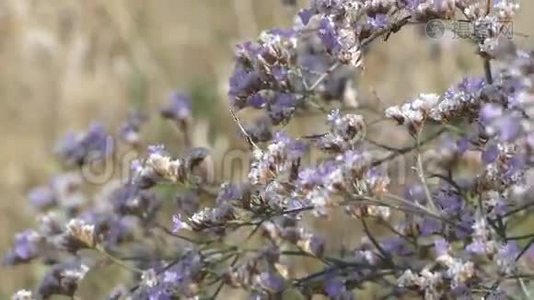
(79, 235)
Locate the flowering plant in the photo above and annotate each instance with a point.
(448, 234)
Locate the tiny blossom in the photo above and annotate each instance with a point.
(441, 247)
(62, 279)
(85, 147)
(368, 256)
(460, 272)
(130, 129)
(130, 200)
(313, 244)
(413, 114)
(260, 131)
(490, 154)
(305, 16)
(396, 246)
(481, 247)
(79, 235)
(42, 197)
(459, 100)
(23, 295)
(282, 108)
(429, 226)
(179, 107)
(67, 188)
(490, 112)
(271, 281)
(508, 128)
(348, 127)
(178, 224)
(26, 247)
(328, 35)
(506, 8)
(408, 278)
(506, 256)
(379, 20)
(335, 289)
(149, 278)
(158, 166)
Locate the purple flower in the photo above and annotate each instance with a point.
(283, 33)
(243, 83)
(412, 4)
(261, 130)
(471, 85)
(477, 247)
(465, 228)
(130, 200)
(62, 279)
(294, 149)
(509, 251)
(429, 226)
(257, 101)
(463, 145)
(179, 107)
(490, 112)
(25, 248)
(282, 108)
(295, 204)
(501, 207)
(450, 202)
(415, 193)
(334, 288)
(490, 154)
(178, 223)
(305, 15)
(271, 282)
(316, 245)
(280, 74)
(312, 177)
(328, 35)
(95, 141)
(157, 150)
(117, 230)
(379, 21)
(130, 129)
(515, 165)
(509, 128)
(441, 246)
(396, 246)
(229, 192)
(80, 149)
(42, 197)
(160, 292)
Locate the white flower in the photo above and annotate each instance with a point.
(414, 113)
(149, 278)
(407, 279)
(460, 272)
(77, 274)
(23, 295)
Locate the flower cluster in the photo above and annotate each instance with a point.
(450, 232)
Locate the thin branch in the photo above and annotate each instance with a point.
(243, 131)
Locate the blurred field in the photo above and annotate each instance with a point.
(65, 63)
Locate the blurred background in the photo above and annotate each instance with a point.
(65, 63)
